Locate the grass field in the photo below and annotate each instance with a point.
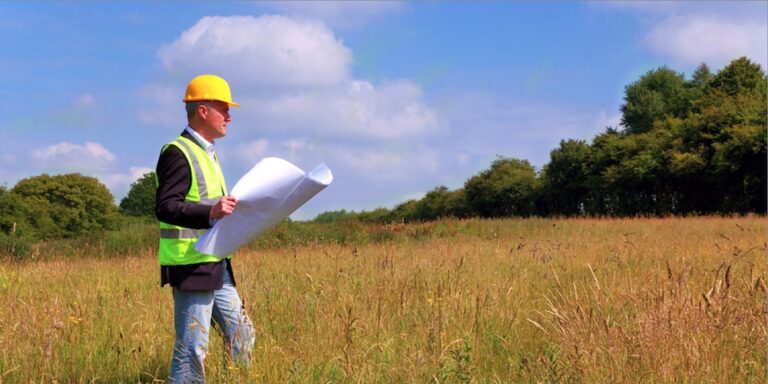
(484, 301)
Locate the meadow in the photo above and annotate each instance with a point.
(451, 301)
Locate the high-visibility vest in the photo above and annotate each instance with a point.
(207, 187)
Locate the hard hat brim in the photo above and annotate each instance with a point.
(231, 103)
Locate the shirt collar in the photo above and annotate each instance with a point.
(207, 146)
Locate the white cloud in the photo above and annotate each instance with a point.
(85, 101)
(271, 51)
(692, 32)
(252, 151)
(401, 163)
(292, 77)
(295, 145)
(710, 39)
(119, 182)
(355, 108)
(91, 159)
(74, 154)
(339, 14)
(137, 172)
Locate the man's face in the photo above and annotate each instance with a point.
(215, 116)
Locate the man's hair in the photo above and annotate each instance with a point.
(191, 107)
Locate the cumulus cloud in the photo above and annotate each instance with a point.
(137, 172)
(690, 33)
(355, 108)
(269, 51)
(292, 77)
(66, 152)
(710, 39)
(252, 151)
(119, 181)
(85, 101)
(89, 158)
(339, 14)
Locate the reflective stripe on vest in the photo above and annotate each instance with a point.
(202, 187)
(181, 233)
(207, 187)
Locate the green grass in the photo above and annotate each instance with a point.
(486, 301)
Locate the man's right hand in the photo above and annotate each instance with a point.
(223, 207)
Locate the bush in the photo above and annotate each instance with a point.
(64, 205)
(15, 247)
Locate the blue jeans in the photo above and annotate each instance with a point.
(193, 312)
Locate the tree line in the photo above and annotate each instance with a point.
(686, 147)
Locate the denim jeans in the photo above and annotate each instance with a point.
(193, 312)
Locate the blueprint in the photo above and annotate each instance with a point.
(266, 195)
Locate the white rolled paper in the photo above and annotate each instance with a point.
(272, 190)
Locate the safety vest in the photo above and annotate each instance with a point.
(207, 187)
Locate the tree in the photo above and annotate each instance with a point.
(140, 200)
(66, 205)
(659, 94)
(506, 189)
(405, 211)
(700, 78)
(731, 126)
(740, 76)
(434, 204)
(564, 188)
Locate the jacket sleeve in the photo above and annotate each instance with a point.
(174, 180)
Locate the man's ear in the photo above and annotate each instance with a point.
(202, 111)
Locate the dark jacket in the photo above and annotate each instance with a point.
(174, 180)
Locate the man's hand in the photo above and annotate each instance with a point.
(223, 207)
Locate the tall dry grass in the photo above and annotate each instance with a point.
(498, 301)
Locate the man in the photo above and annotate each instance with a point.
(191, 195)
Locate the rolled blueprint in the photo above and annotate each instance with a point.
(266, 195)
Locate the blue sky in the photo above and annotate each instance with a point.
(396, 98)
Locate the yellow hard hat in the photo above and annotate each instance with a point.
(209, 87)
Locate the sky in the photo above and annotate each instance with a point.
(396, 98)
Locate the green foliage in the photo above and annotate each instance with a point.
(140, 200)
(659, 94)
(564, 180)
(506, 189)
(15, 246)
(14, 217)
(378, 215)
(740, 77)
(437, 203)
(334, 216)
(62, 205)
(406, 211)
(693, 146)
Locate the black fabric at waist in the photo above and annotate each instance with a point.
(196, 277)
